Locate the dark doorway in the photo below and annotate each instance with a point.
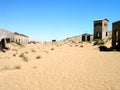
(106, 34)
(116, 37)
(83, 38)
(98, 35)
(19, 41)
(88, 38)
(7, 40)
(3, 45)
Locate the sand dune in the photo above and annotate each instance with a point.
(59, 66)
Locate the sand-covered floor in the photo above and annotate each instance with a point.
(59, 67)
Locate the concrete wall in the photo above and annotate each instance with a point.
(9, 37)
(21, 39)
(4, 34)
(116, 34)
(87, 37)
(101, 29)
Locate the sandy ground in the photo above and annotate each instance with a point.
(59, 66)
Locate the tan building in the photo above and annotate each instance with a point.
(116, 34)
(8, 37)
(87, 37)
(21, 38)
(101, 29)
(5, 37)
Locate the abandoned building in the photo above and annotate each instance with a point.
(8, 37)
(5, 37)
(101, 29)
(21, 38)
(116, 34)
(87, 37)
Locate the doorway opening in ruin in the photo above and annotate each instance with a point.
(83, 38)
(106, 34)
(16, 40)
(116, 37)
(7, 40)
(19, 40)
(88, 38)
(98, 35)
(3, 44)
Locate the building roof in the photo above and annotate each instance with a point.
(20, 34)
(101, 19)
(117, 21)
(87, 34)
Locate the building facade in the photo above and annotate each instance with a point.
(87, 37)
(21, 38)
(8, 37)
(116, 34)
(101, 29)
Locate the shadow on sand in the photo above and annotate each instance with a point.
(105, 49)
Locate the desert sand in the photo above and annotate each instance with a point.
(59, 66)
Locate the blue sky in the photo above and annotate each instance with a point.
(56, 19)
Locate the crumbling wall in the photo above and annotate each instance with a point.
(116, 34)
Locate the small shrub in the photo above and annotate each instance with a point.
(76, 45)
(89, 42)
(110, 38)
(11, 68)
(5, 68)
(72, 41)
(99, 42)
(81, 46)
(14, 49)
(21, 55)
(24, 57)
(14, 55)
(80, 42)
(33, 50)
(17, 67)
(52, 48)
(34, 67)
(45, 51)
(38, 57)
(26, 52)
(70, 45)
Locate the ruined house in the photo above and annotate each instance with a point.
(87, 37)
(8, 37)
(21, 38)
(5, 37)
(116, 35)
(101, 29)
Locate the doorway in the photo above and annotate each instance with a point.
(116, 37)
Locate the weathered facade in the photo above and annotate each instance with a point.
(101, 29)
(116, 34)
(21, 38)
(8, 37)
(5, 37)
(87, 37)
